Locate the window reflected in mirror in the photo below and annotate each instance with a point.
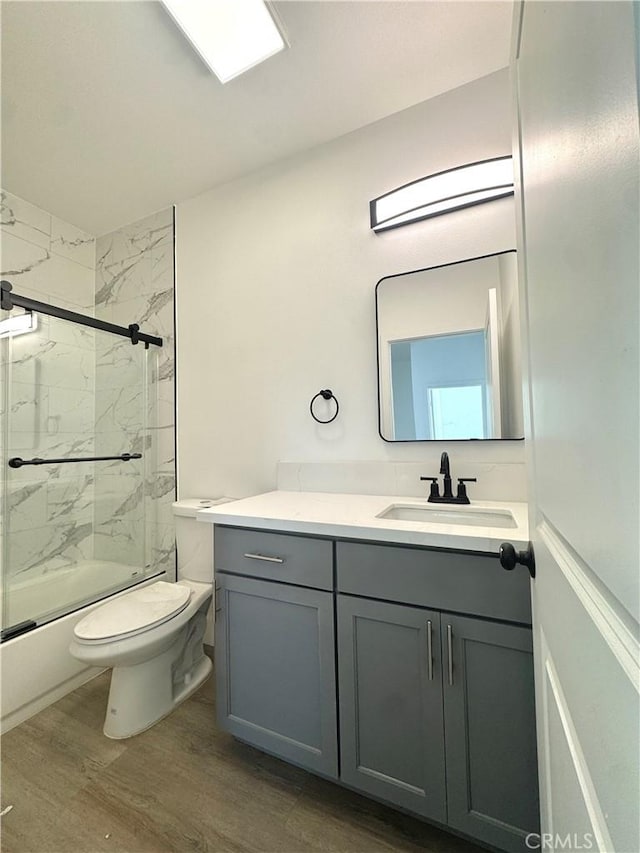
(449, 352)
(439, 387)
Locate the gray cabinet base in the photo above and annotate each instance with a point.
(436, 710)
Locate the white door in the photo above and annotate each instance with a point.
(492, 336)
(577, 194)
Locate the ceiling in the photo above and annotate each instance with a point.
(108, 114)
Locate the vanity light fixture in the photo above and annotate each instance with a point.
(453, 189)
(231, 36)
(18, 324)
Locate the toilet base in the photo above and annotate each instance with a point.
(139, 699)
(154, 670)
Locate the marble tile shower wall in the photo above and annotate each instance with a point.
(75, 391)
(134, 284)
(51, 392)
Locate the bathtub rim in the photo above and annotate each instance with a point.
(96, 598)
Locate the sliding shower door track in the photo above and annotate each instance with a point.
(10, 300)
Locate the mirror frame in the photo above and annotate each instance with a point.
(411, 272)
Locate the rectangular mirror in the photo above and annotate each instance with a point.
(449, 361)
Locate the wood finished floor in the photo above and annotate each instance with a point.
(181, 786)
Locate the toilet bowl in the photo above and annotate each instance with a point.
(153, 636)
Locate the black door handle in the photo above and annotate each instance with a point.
(510, 558)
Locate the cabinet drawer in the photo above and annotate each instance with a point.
(463, 583)
(298, 560)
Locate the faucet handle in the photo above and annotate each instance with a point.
(434, 491)
(462, 489)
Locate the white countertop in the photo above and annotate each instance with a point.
(354, 517)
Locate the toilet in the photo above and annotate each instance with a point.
(153, 636)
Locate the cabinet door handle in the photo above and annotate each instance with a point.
(429, 650)
(450, 653)
(262, 557)
(216, 590)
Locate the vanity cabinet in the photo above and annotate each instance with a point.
(469, 761)
(434, 667)
(275, 649)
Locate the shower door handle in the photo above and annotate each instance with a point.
(17, 462)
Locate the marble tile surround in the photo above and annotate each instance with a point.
(134, 284)
(76, 391)
(52, 386)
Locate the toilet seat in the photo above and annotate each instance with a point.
(133, 613)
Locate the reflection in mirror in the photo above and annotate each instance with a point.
(449, 352)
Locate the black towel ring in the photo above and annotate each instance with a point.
(326, 395)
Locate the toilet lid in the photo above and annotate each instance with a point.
(134, 611)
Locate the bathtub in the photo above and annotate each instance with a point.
(53, 593)
(36, 668)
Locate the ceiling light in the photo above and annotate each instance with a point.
(18, 324)
(231, 36)
(443, 192)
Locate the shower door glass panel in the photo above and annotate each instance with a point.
(74, 531)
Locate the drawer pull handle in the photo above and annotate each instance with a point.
(262, 557)
(450, 653)
(429, 651)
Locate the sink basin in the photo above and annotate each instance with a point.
(468, 516)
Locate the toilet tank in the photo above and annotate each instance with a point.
(194, 539)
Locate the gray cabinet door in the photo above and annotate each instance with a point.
(391, 727)
(492, 781)
(275, 669)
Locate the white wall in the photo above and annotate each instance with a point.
(276, 278)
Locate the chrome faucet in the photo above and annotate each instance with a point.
(447, 495)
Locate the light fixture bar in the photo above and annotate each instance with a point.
(453, 189)
(19, 324)
(231, 36)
